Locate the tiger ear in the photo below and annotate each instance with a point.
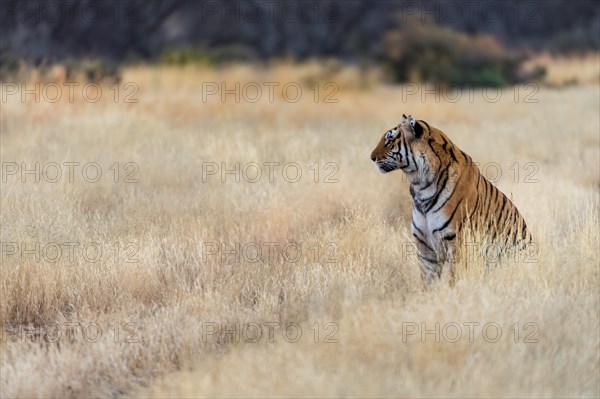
(412, 121)
(410, 126)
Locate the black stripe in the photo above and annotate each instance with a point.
(493, 201)
(477, 194)
(495, 218)
(489, 202)
(418, 129)
(398, 153)
(452, 155)
(431, 201)
(412, 157)
(428, 184)
(447, 199)
(423, 242)
(413, 160)
(500, 218)
(427, 259)
(418, 229)
(450, 237)
(405, 149)
(435, 153)
(445, 143)
(483, 198)
(483, 201)
(508, 229)
(485, 191)
(442, 227)
(514, 228)
(524, 229)
(425, 201)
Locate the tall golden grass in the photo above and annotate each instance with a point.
(564, 71)
(181, 320)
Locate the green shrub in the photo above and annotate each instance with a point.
(10, 65)
(431, 53)
(186, 56)
(207, 57)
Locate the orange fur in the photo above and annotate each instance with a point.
(449, 192)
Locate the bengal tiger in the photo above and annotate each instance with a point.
(448, 193)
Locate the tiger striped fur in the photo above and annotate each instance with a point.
(448, 192)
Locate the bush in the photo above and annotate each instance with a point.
(186, 56)
(10, 65)
(207, 57)
(71, 69)
(431, 53)
(92, 70)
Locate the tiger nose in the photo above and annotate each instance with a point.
(373, 158)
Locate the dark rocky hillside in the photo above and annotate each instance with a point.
(352, 30)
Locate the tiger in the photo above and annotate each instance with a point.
(448, 193)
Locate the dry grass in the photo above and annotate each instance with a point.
(371, 293)
(564, 71)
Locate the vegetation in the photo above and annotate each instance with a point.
(351, 30)
(354, 270)
(420, 52)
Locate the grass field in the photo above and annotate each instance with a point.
(166, 277)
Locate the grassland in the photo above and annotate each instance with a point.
(203, 284)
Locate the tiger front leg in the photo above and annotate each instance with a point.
(430, 271)
(452, 255)
(431, 266)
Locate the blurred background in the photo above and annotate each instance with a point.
(458, 42)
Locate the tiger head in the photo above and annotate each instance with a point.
(406, 147)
